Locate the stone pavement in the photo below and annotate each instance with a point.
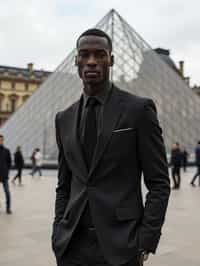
(25, 235)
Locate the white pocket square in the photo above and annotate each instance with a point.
(123, 129)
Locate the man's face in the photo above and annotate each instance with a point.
(93, 59)
(1, 140)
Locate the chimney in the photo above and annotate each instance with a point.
(30, 67)
(181, 68)
(162, 51)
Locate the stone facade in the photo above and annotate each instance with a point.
(16, 86)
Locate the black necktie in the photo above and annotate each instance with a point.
(90, 134)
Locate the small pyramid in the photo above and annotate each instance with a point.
(138, 69)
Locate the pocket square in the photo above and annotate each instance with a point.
(123, 129)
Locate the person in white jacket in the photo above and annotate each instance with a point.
(38, 162)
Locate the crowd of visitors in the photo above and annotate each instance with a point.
(6, 164)
(178, 160)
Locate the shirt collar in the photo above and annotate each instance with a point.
(101, 97)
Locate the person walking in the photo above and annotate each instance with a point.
(197, 157)
(106, 140)
(38, 162)
(176, 159)
(5, 165)
(33, 162)
(19, 164)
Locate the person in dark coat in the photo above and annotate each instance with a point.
(197, 155)
(5, 165)
(19, 164)
(176, 159)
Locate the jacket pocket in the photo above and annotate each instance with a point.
(124, 130)
(127, 213)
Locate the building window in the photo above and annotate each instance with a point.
(26, 86)
(32, 87)
(1, 100)
(13, 85)
(20, 86)
(5, 85)
(13, 104)
(13, 100)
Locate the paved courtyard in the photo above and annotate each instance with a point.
(25, 235)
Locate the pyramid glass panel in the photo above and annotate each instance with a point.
(137, 69)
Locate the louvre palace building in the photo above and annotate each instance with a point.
(16, 86)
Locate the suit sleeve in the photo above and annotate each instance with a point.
(64, 180)
(154, 165)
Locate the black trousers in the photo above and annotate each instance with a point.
(84, 250)
(196, 175)
(36, 169)
(176, 176)
(18, 175)
(7, 193)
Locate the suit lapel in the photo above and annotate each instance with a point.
(74, 142)
(111, 115)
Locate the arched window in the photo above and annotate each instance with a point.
(13, 99)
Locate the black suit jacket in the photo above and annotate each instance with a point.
(176, 157)
(5, 163)
(130, 144)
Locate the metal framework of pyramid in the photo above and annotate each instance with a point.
(138, 69)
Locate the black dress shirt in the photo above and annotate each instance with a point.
(101, 98)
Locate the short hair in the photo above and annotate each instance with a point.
(1, 136)
(199, 142)
(95, 32)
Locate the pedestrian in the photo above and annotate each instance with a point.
(38, 162)
(5, 165)
(176, 159)
(106, 140)
(19, 164)
(185, 156)
(33, 162)
(197, 157)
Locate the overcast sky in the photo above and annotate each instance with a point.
(45, 31)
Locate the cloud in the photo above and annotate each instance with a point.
(44, 31)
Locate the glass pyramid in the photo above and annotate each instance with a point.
(138, 69)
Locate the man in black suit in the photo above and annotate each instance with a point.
(106, 140)
(5, 165)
